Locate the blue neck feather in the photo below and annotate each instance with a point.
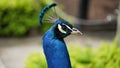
(55, 50)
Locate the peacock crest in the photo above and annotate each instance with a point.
(48, 14)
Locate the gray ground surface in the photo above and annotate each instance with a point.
(13, 51)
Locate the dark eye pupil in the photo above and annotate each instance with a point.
(64, 27)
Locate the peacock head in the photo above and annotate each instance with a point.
(61, 27)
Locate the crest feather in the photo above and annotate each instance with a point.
(48, 14)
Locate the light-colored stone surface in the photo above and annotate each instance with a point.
(13, 52)
(1, 64)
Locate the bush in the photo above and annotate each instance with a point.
(18, 17)
(107, 56)
(36, 60)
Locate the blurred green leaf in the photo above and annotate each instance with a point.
(17, 17)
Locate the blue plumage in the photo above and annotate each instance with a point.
(54, 46)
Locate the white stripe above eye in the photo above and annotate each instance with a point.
(60, 29)
(68, 27)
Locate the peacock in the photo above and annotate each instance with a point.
(54, 46)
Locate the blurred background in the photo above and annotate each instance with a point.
(21, 35)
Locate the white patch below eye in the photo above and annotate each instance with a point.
(60, 29)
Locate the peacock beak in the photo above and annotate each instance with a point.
(76, 31)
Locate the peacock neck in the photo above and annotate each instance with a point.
(55, 51)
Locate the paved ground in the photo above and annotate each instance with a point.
(1, 64)
(13, 51)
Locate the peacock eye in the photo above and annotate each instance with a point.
(64, 27)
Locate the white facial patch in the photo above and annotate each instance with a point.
(74, 30)
(60, 29)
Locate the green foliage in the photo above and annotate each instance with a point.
(18, 17)
(107, 56)
(81, 57)
(36, 60)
